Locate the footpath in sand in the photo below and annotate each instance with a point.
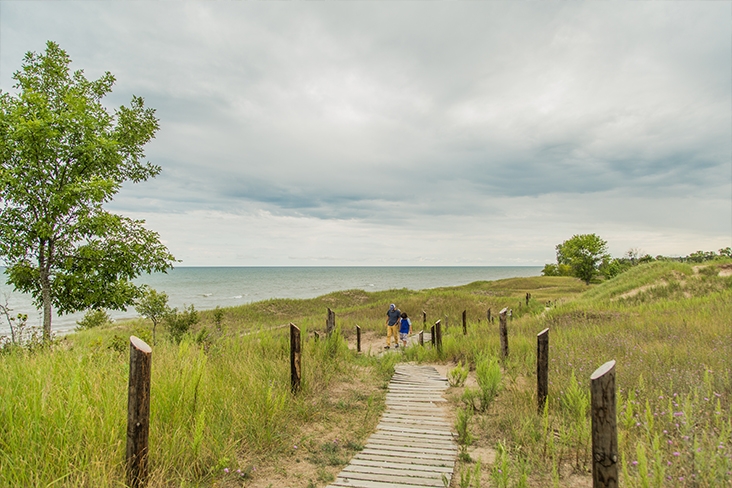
(413, 445)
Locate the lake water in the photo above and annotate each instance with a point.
(208, 287)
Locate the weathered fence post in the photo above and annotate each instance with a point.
(503, 332)
(528, 297)
(465, 323)
(330, 323)
(604, 427)
(433, 338)
(488, 315)
(295, 358)
(424, 319)
(542, 368)
(358, 338)
(316, 336)
(438, 336)
(138, 412)
(421, 337)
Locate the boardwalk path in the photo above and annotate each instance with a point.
(413, 444)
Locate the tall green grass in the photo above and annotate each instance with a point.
(221, 398)
(669, 328)
(63, 412)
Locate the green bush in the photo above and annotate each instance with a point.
(457, 375)
(179, 323)
(93, 318)
(488, 373)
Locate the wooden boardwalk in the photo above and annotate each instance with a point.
(413, 445)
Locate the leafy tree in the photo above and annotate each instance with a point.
(583, 253)
(611, 267)
(62, 156)
(153, 305)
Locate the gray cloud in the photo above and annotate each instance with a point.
(417, 114)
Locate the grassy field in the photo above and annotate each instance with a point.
(668, 326)
(222, 413)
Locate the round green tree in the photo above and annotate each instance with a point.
(63, 155)
(583, 254)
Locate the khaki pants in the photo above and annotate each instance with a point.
(391, 330)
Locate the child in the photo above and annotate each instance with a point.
(405, 328)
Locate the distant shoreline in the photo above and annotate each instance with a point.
(207, 287)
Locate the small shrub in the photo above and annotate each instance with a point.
(118, 343)
(469, 398)
(462, 424)
(93, 318)
(179, 323)
(218, 314)
(457, 375)
(470, 478)
(488, 373)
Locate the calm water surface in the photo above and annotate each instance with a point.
(208, 287)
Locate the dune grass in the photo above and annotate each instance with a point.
(222, 413)
(672, 344)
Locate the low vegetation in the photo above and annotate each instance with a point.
(223, 413)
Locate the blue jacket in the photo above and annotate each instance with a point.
(405, 326)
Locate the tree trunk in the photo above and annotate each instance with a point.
(46, 297)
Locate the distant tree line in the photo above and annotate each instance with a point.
(585, 256)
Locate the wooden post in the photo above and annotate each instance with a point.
(542, 368)
(438, 336)
(488, 315)
(138, 412)
(316, 335)
(424, 319)
(503, 331)
(433, 339)
(358, 338)
(295, 358)
(330, 323)
(604, 427)
(528, 297)
(465, 323)
(421, 337)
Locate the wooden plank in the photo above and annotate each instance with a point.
(394, 472)
(432, 409)
(411, 466)
(399, 428)
(374, 484)
(386, 446)
(414, 419)
(438, 439)
(447, 456)
(444, 441)
(411, 446)
(444, 444)
(415, 424)
(418, 461)
(390, 397)
(423, 411)
(388, 478)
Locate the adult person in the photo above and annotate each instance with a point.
(392, 319)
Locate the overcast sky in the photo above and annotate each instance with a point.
(412, 133)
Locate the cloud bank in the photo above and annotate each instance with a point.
(413, 133)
